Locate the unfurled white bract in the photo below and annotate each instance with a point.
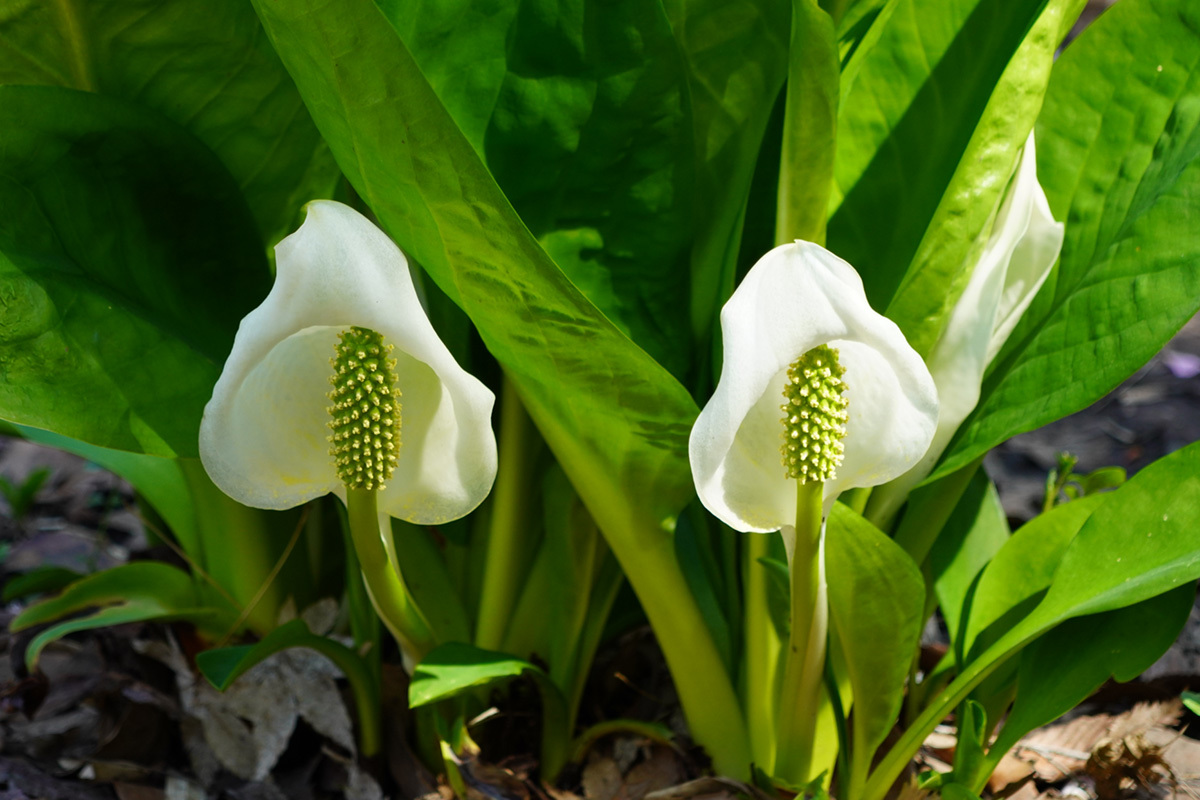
(1021, 250)
(797, 297)
(264, 438)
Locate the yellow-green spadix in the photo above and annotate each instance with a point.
(266, 437)
(797, 299)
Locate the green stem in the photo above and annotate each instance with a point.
(892, 764)
(384, 586)
(225, 526)
(647, 555)
(364, 622)
(508, 536)
(364, 686)
(804, 659)
(929, 508)
(762, 653)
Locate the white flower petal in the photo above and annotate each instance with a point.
(1020, 253)
(263, 436)
(795, 298)
(1024, 244)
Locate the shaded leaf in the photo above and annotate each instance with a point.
(581, 115)
(1021, 570)
(806, 169)
(736, 56)
(122, 299)
(136, 592)
(976, 530)
(1136, 546)
(455, 668)
(205, 64)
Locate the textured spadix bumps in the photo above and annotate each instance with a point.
(799, 297)
(265, 434)
(364, 418)
(814, 416)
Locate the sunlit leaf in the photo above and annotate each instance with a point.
(1118, 143)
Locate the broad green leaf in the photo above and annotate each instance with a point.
(454, 668)
(580, 112)
(209, 525)
(736, 57)
(809, 126)
(972, 736)
(961, 224)
(224, 665)
(1022, 569)
(1061, 669)
(976, 530)
(205, 64)
(911, 100)
(158, 481)
(1138, 544)
(604, 406)
(136, 592)
(426, 576)
(42, 580)
(1118, 142)
(127, 260)
(876, 605)
(615, 419)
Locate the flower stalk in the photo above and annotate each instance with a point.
(804, 658)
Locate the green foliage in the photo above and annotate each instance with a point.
(1119, 644)
(123, 301)
(20, 496)
(208, 526)
(1134, 547)
(876, 605)
(904, 130)
(203, 64)
(735, 55)
(1129, 276)
(43, 580)
(137, 592)
(455, 669)
(976, 530)
(1063, 484)
(223, 665)
(582, 119)
(806, 168)
(960, 224)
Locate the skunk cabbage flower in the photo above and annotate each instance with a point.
(860, 407)
(401, 412)
(1020, 252)
(1023, 246)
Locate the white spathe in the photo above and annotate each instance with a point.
(1020, 252)
(263, 438)
(1024, 244)
(799, 296)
